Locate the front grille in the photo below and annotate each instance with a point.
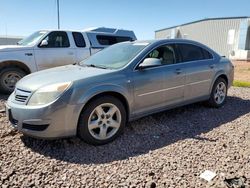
(35, 127)
(21, 96)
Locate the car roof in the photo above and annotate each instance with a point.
(162, 41)
(167, 40)
(157, 42)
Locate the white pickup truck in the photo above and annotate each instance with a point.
(50, 48)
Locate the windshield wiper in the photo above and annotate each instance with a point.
(96, 66)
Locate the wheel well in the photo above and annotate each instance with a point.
(17, 64)
(224, 77)
(114, 94)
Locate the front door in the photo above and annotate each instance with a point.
(56, 52)
(160, 86)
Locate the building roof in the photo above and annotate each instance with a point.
(206, 19)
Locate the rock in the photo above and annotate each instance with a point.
(220, 143)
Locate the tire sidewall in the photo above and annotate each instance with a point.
(82, 128)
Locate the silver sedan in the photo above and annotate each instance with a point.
(97, 97)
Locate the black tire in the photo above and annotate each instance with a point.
(212, 100)
(83, 131)
(7, 72)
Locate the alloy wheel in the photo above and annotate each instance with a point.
(220, 93)
(104, 121)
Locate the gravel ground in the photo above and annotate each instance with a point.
(169, 149)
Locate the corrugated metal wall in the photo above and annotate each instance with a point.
(213, 33)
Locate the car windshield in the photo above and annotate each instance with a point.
(115, 56)
(32, 39)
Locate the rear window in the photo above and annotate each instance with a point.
(79, 40)
(110, 40)
(191, 52)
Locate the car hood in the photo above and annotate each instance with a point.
(11, 48)
(61, 74)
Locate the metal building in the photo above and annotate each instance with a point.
(229, 36)
(9, 40)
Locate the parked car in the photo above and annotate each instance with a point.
(95, 99)
(51, 48)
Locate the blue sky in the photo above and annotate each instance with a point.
(22, 17)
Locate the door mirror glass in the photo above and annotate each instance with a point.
(44, 43)
(150, 62)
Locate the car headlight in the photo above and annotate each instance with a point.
(48, 94)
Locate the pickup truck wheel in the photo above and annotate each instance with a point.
(9, 77)
(102, 121)
(219, 93)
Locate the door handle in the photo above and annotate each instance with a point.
(212, 66)
(178, 71)
(71, 53)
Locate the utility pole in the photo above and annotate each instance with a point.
(58, 15)
(6, 33)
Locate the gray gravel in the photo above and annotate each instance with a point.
(169, 149)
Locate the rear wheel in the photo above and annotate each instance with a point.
(219, 93)
(102, 120)
(9, 76)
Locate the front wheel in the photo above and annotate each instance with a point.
(102, 120)
(9, 76)
(219, 93)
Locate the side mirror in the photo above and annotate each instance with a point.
(44, 43)
(149, 62)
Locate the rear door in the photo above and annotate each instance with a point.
(57, 52)
(199, 66)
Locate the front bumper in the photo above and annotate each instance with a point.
(55, 120)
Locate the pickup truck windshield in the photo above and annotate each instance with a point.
(32, 39)
(115, 56)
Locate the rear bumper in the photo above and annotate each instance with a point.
(231, 76)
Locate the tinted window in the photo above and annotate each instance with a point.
(165, 53)
(191, 52)
(57, 39)
(206, 54)
(110, 40)
(123, 39)
(79, 40)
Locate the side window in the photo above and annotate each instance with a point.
(165, 53)
(106, 40)
(123, 39)
(206, 54)
(110, 40)
(191, 52)
(79, 39)
(57, 39)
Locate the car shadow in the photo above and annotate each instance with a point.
(146, 134)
